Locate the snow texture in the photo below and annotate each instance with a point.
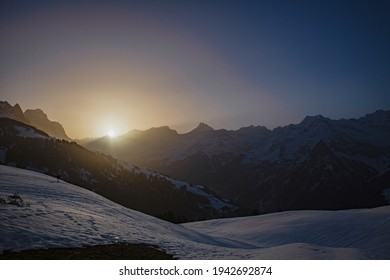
(29, 133)
(216, 203)
(65, 215)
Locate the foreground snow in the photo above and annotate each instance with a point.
(367, 230)
(64, 215)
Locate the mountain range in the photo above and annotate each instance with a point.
(318, 163)
(36, 118)
(26, 147)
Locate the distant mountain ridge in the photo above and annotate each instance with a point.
(12, 112)
(36, 118)
(318, 163)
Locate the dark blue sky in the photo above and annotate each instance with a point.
(227, 63)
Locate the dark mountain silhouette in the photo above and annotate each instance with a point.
(26, 147)
(12, 112)
(36, 118)
(202, 128)
(319, 163)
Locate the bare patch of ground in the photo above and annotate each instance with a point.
(98, 252)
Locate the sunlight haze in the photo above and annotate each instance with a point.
(138, 64)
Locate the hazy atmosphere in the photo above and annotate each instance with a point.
(195, 130)
(97, 66)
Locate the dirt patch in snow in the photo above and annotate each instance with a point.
(98, 252)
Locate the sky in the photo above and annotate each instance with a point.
(99, 66)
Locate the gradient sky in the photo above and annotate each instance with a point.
(96, 66)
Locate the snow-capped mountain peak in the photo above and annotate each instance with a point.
(254, 165)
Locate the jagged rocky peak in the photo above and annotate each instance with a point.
(40, 120)
(4, 105)
(254, 129)
(310, 120)
(12, 112)
(378, 117)
(36, 118)
(201, 128)
(35, 114)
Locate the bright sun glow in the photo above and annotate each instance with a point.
(111, 133)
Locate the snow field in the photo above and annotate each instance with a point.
(64, 215)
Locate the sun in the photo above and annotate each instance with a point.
(111, 133)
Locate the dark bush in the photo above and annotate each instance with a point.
(15, 199)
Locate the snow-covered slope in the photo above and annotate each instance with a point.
(365, 229)
(64, 215)
(216, 203)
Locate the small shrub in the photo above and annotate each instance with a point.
(15, 199)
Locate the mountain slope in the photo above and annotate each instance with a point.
(12, 112)
(64, 215)
(36, 118)
(39, 119)
(265, 170)
(123, 183)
